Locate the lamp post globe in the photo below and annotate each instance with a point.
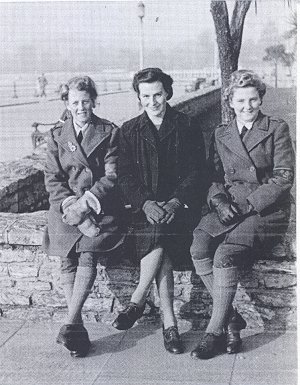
(141, 10)
(141, 14)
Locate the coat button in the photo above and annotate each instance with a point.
(86, 169)
(73, 168)
(75, 189)
(232, 170)
(252, 168)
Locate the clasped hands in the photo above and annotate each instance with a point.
(78, 212)
(161, 212)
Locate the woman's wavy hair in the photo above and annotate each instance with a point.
(151, 75)
(242, 79)
(80, 83)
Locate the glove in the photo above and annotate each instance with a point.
(74, 212)
(171, 208)
(227, 213)
(153, 211)
(89, 227)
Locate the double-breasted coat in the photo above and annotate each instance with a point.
(72, 169)
(160, 165)
(259, 171)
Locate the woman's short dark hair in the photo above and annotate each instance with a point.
(151, 75)
(242, 79)
(82, 83)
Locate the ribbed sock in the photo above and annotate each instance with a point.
(67, 282)
(204, 268)
(224, 289)
(84, 280)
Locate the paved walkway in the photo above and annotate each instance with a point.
(30, 356)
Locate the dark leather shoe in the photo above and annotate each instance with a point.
(128, 316)
(172, 341)
(233, 340)
(209, 346)
(75, 338)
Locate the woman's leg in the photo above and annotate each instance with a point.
(165, 286)
(225, 281)
(68, 270)
(84, 280)
(201, 252)
(149, 266)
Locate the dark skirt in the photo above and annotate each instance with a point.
(175, 238)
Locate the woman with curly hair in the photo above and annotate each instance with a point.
(251, 162)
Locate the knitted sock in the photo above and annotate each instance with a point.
(204, 268)
(224, 289)
(67, 282)
(84, 280)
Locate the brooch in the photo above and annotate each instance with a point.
(72, 146)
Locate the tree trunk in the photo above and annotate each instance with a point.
(229, 39)
(276, 75)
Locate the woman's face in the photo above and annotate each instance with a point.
(246, 103)
(80, 105)
(153, 98)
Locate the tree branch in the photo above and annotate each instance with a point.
(237, 25)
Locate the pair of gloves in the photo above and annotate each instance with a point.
(161, 212)
(79, 212)
(227, 212)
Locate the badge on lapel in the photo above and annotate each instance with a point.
(72, 146)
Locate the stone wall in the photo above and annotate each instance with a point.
(30, 287)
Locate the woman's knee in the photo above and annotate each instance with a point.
(88, 259)
(200, 248)
(230, 255)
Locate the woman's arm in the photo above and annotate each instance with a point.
(283, 171)
(56, 180)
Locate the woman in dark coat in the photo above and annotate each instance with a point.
(252, 165)
(161, 162)
(80, 176)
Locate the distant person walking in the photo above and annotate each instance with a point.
(42, 82)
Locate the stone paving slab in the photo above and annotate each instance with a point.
(30, 356)
(267, 358)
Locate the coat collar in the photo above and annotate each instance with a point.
(167, 127)
(93, 137)
(231, 138)
(258, 133)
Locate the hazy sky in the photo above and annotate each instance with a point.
(68, 28)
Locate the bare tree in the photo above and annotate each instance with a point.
(229, 40)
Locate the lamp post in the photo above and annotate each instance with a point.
(141, 14)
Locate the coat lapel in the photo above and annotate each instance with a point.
(168, 124)
(146, 131)
(68, 141)
(95, 134)
(258, 132)
(231, 138)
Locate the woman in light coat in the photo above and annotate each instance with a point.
(252, 167)
(84, 216)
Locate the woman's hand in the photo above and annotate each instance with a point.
(153, 211)
(227, 213)
(171, 207)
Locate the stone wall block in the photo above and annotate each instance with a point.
(16, 255)
(23, 270)
(4, 270)
(27, 230)
(280, 281)
(276, 298)
(13, 298)
(45, 300)
(48, 270)
(6, 282)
